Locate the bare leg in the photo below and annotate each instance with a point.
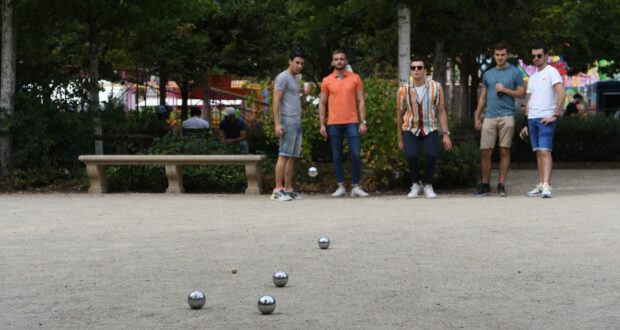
(547, 166)
(504, 163)
(280, 166)
(288, 173)
(539, 163)
(485, 164)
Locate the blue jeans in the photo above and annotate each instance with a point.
(336, 134)
(431, 149)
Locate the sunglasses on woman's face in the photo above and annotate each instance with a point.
(417, 67)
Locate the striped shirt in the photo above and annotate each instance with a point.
(420, 111)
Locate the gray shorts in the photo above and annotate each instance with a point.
(290, 140)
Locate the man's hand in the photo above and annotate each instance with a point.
(401, 144)
(499, 87)
(524, 133)
(279, 130)
(323, 131)
(447, 143)
(477, 124)
(548, 120)
(362, 129)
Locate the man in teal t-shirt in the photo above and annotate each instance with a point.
(500, 86)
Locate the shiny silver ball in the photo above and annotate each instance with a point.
(196, 299)
(280, 279)
(312, 171)
(324, 242)
(266, 304)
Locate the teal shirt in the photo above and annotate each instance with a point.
(501, 104)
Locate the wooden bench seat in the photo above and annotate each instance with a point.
(96, 167)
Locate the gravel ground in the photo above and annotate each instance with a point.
(79, 261)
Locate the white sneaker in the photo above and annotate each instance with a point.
(546, 191)
(415, 190)
(294, 195)
(429, 192)
(536, 192)
(357, 191)
(281, 196)
(341, 191)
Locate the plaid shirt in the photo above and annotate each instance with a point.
(420, 111)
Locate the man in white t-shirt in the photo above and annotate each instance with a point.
(544, 101)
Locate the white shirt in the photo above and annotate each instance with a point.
(195, 123)
(542, 101)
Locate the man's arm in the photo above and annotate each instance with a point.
(322, 110)
(361, 108)
(559, 103)
(399, 117)
(277, 97)
(482, 102)
(443, 119)
(518, 92)
(524, 131)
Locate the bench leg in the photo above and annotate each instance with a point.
(175, 178)
(252, 172)
(96, 174)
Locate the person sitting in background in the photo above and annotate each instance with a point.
(233, 131)
(576, 107)
(195, 122)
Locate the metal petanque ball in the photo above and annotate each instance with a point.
(280, 278)
(196, 299)
(266, 304)
(324, 242)
(312, 171)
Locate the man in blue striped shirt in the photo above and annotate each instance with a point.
(500, 86)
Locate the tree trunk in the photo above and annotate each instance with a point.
(439, 63)
(93, 79)
(205, 100)
(404, 42)
(7, 85)
(464, 82)
(184, 85)
(163, 82)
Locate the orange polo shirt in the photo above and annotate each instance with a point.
(341, 98)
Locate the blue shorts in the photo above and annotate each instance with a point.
(541, 135)
(290, 140)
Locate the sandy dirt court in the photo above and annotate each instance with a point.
(128, 261)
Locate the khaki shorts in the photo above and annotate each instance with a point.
(504, 127)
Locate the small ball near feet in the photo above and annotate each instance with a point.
(280, 278)
(266, 304)
(234, 271)
(312, 172)
(324, 242)
(196, 299)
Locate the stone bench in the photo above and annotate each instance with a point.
(96, 167)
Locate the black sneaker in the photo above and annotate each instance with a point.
(501, 190)
(482, 189)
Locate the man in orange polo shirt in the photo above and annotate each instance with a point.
(342, 93)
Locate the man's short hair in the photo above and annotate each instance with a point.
(419, 59)
(577, 96)
(297, 53)
(500, 46)
(195, 111)
(540, 45)
(339, 51)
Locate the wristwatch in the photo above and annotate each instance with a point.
(447, 133)
(364, 122)
(556, 116)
